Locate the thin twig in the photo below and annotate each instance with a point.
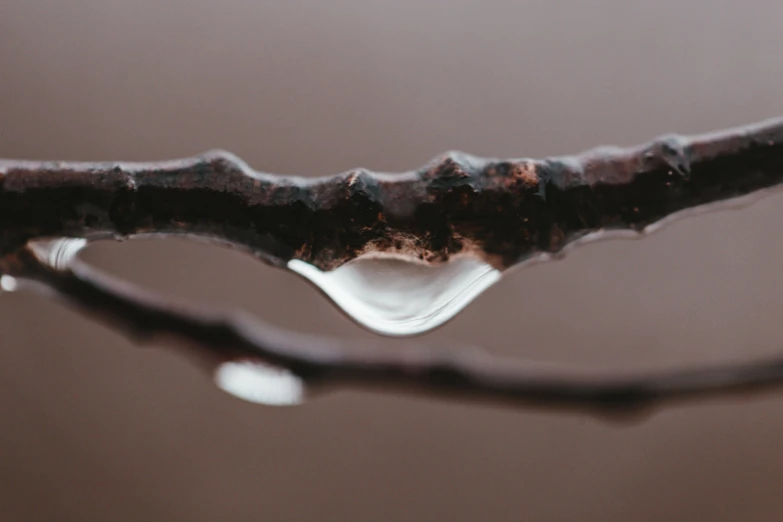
(216, 337)
(458, 203)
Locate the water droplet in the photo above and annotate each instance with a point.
(401, 296)
(57, 253)
(8, 283)
(260, 383)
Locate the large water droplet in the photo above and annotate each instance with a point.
(400, 296)
(260, 383)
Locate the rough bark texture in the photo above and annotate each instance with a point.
(503, 211)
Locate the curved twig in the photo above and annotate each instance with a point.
(215, 337)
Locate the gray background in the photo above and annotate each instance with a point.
(95, 428)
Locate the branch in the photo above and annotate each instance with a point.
(215, 337)
(501, 211)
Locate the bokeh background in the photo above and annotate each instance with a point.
(94, 428)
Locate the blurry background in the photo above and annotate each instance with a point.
(95, 428)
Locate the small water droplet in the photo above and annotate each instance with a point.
(401, 296)
(58, 253)
(260, 383)
(8, 283)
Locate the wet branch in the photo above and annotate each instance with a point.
(214, 337)
(502, 211)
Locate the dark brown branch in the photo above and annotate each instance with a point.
(503, 211)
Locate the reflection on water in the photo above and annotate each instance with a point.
(8, 283)
(260, 383)
(58, 253)
(398, 296)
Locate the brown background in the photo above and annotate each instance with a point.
(94, 428)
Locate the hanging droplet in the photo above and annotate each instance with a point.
(400, 296)
(260, 383)
(58, 253)
(8, 283)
